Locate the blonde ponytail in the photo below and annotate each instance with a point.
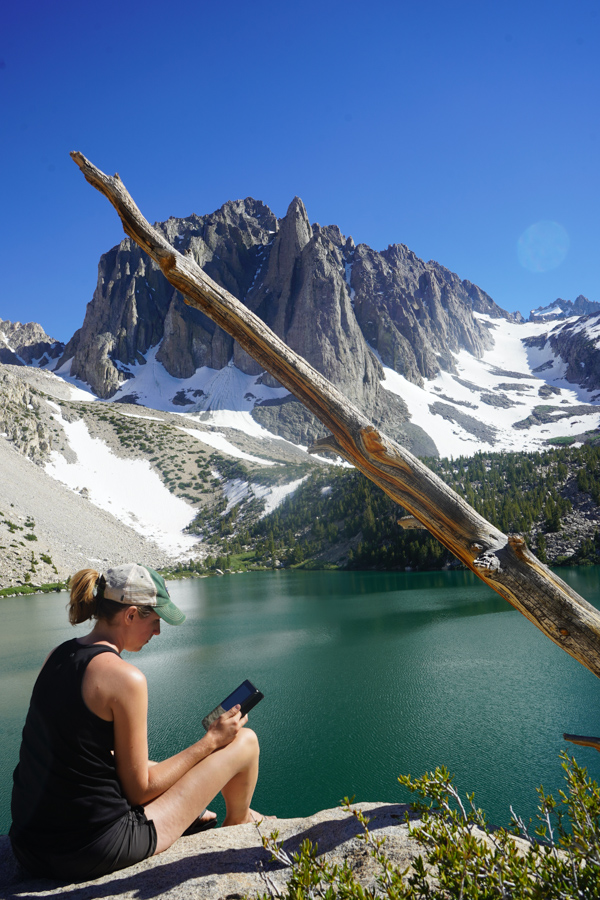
(83, 603)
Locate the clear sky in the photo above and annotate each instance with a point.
(467, 130)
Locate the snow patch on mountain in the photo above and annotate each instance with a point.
(219, 442)
(498, 391)
(546, 311)
(127, 488)
(237, 490)
(279, 493)
(207, 390)
(232, 418)
(80, 390)
(138, 416)
(588, 324)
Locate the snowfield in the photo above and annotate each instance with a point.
(505, 377)
(129, 489)
(474, 409)
(207, 390)
(219, 442)
(507, 369)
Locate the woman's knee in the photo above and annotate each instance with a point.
(247, 742)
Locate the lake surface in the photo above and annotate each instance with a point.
(365, 676)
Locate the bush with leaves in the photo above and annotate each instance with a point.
(462, 858)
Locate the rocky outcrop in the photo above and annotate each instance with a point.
(134, 308)
(576, 343)
(231, 862)
(26, 344)
(121, 322)
(24, 419)
(416, 314)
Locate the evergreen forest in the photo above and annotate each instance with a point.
(338, 518)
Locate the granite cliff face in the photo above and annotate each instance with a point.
(416, 314)
(343, 308)
(134, 308)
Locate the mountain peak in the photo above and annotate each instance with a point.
(563, 309)
(25, 344)
(295, 226)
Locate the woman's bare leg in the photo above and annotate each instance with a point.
(238, 792)
(233, 770)
(207, 815)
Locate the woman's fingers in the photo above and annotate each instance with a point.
(227, 725)
(237, 712)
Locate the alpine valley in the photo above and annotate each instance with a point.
(152, 435)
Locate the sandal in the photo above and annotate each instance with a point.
(199, 825)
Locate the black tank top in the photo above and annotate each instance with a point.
(66, 790)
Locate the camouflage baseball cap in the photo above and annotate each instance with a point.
(134, 585)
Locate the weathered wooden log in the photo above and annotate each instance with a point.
(502, 561)
(410, 522)
(582, 741)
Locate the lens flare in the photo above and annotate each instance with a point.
(543, 246)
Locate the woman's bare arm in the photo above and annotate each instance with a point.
(117, 691)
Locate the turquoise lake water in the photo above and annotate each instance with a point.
(365, 676)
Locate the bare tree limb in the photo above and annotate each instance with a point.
(410, 522)
(502, 561)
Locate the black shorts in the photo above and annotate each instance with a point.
(125, 842)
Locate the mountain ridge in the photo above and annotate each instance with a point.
(564, 309)
(343, 307)
(420, 351)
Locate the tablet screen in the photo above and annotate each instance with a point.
(240, 694)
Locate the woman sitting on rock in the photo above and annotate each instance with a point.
(86, 799)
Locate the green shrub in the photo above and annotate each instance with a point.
(38, 589)
(462, 859)
(564, 441)
(12, 527)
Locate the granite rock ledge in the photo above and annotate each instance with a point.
(225, 864)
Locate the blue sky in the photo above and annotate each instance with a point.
(452, 127)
